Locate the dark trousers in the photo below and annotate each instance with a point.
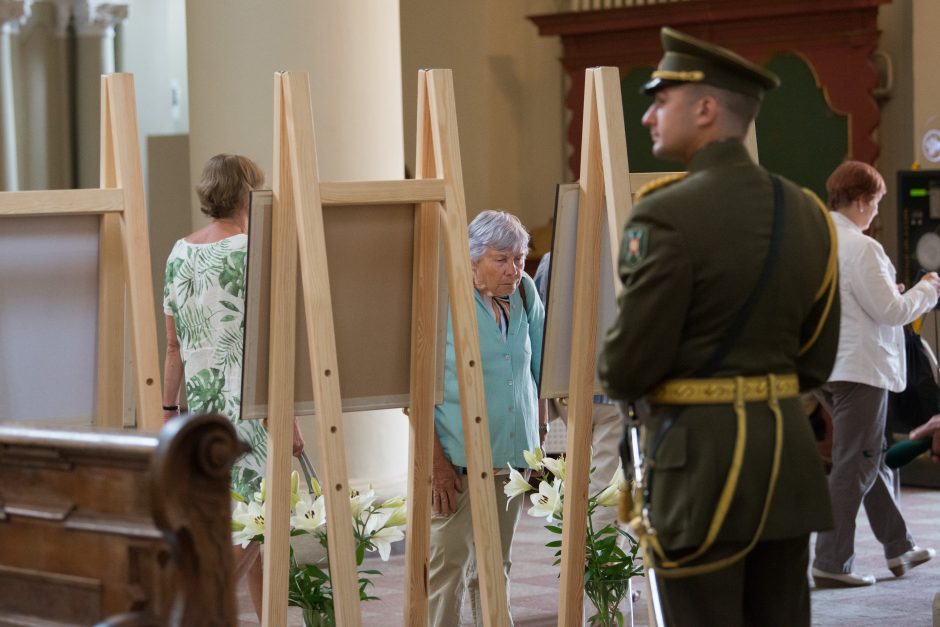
(859, 476)
(767, 588)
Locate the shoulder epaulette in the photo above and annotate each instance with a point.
(659, 183)
(830, 283)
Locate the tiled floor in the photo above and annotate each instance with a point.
(906, 601)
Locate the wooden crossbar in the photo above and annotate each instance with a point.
(409, 191)
(124, 278)
(61, 202)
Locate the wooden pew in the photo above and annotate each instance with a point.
(117, 528)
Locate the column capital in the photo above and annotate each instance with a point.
(97, 19)
(12, 13)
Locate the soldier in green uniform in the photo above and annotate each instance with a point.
(729, 309)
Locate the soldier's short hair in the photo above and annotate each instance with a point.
(742, 108)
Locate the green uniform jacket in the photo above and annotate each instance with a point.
(691, 255)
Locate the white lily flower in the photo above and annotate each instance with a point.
(609, 496)
(393, 503)
(251, 517)
(516, 485)
(534, 458)
(360, 503)
(263, 494)
(619, 479)
(294, 484)
(548, 501)
(309, 512)
(381, 532)
(383, 538)
(398, 516)
(555, 466)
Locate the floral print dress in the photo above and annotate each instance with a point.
(205, 293)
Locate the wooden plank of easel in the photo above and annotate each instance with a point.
(109, 396)
(127, 168)
(62, 202)
(280, 376)
(423, 369)
(323, 361)
(614, 157)
(583, 336)
(467, 348)
(408, 191)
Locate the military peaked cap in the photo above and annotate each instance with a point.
(691, 60)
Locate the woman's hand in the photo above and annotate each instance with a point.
(298, 447)
(932, 280)
(929, 428)
(445, 484)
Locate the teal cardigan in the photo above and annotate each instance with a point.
(511, 370)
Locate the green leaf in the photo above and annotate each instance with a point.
(204, 391)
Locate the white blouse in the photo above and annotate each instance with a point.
(871, 340)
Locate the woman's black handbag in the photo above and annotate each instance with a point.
(921, 398)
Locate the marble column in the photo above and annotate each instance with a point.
(10, 15)
(94, 56)
(42, 97)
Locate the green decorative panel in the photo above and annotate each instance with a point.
(798, 135)
(639, 144)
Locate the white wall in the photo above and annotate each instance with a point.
(508, 90)
(153, 48)
(351, 51)
(926, 110)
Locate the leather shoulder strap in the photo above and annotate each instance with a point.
(773, 253)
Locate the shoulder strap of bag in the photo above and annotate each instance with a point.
(522, 295)
(773, 253)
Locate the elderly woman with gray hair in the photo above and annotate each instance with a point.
(510, 319)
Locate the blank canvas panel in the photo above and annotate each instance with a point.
(556, 353)
(48, 318)
(370, 253)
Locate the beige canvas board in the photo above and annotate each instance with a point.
(370, 253)
(48, 318)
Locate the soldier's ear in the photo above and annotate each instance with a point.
(706, 110)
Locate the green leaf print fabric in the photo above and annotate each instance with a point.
(204, 291)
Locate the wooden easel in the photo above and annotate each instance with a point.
(124, 257)
(297, 225)
(605, 176)
(603, 164)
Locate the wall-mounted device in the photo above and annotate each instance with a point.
(918, 223)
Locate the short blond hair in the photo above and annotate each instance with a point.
(225, 183)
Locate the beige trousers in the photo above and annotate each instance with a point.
(607, 432)
(452, 564)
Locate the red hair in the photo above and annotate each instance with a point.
(851, 181)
